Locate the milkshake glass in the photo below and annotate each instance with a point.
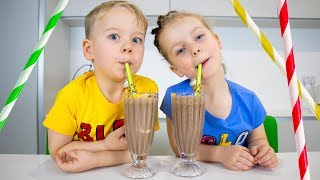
(140, 113)
(188, 112)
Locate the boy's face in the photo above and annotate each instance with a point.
(194, 44)
(116, 39)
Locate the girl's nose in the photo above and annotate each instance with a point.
(195, 51)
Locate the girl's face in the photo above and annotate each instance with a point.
(187, 43)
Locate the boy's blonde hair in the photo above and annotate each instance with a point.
(163, 22)
(103, 8)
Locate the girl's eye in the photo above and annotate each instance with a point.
(114, 36)
(180, 51)
(199, 36)
(137, 40)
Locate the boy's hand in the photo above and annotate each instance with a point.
(237, 158)
(116, 140)
(78, 160)
(264, 155)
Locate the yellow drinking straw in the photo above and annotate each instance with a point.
(198, 83)
(129, 76)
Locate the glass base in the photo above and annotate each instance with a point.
(139, 171)
(187, 169)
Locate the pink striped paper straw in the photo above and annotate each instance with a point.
(293, 90)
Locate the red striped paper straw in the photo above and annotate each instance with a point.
(293, 90)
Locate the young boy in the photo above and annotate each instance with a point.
(84, 125)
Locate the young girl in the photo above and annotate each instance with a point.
(234, 115)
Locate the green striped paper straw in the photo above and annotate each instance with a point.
(198, 83)
(129, 76)
(14, 95)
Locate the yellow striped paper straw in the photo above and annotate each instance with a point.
(274, 55)
(129, 76)
(198, 82)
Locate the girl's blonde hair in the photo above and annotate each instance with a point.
(164, 20)
(103, 8)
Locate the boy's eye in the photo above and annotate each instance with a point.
(199, 36)
(114, 36)
(180, 51)
(137, 40)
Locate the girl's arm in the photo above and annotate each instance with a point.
(260, 149)
(257, 137)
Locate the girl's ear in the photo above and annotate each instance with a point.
(87, 50)
(218, 39)
(176, 71)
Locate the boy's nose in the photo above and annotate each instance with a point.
(126, 48)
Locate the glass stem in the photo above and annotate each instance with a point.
(188, 159)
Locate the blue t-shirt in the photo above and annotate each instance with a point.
(247, 113)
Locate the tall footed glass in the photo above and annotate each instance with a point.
(188, 112)
(140, 113)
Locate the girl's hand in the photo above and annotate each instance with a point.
(264, 155)
(237, 158)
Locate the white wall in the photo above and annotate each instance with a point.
(287, 138)
(56, 55)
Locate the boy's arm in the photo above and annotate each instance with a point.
(82, 160)
(111, 158)
(56, 141)
(59, 143)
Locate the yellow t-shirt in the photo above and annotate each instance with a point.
(81, 110)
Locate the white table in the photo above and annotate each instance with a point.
(19, 166)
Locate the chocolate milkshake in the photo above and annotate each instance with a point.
(140, 113)
(188, 112)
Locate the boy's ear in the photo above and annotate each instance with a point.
(177, 71)
(87, 49)
(218, 39)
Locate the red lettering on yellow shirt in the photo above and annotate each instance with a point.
(85, 131)
(117, 124)
(100, 132)
(84, 134)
